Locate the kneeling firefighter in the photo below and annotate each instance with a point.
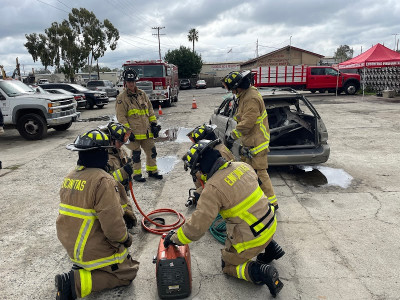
(135, 111)
(232, 190)
(90, 224)
(206, 132)
(120, 166)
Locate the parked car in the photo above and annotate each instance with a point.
(92, 97)
(297, 133)
(104, 86)
(201, 84)
(38, 89)
(43, 81)
(185, 84)
(79, 98)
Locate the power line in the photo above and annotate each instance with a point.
(158, 35)
(53, 6)
(64, 4)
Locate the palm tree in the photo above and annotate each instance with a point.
(193, 36)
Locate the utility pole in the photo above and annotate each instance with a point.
(158, 35)
(395, 35)
(257, 49)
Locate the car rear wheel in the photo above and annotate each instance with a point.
(89, 104)
(32, 127)
(350, 88)
(100, 106)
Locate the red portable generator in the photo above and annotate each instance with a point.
(173, 271)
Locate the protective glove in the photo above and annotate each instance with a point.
(245, 152)
(167, 239)
(229, 142)
(130, 219)
(128, 168)
(155, 129)
(128, 241)
(132, 137)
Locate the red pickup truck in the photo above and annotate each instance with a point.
(311, 78)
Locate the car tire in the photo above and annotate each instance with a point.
(63, 127)
(100, 106)
(322, 91)
(350, 88)
(89, 104)
(32, 127)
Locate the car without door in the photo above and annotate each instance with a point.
(298, 135)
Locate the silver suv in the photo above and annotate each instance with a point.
(104, 86)
(298, 135)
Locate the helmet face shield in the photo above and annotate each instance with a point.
(233, 79)
(193, 156)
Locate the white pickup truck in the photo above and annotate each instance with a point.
(33, 113)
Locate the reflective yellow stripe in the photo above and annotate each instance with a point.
(139, 112)
(116, 258)
(126, 125)
(240, 271)
(89, 216)
(86, 282)
(272, 199)
(137, 172)
(182, 237)
(244, 205)
(124, 206)
(236, 133)
(151, 168)
(152, 118)
(143, 136)
(259, 148)
(118, 176)
(262, 239)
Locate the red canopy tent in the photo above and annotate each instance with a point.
(376, 57)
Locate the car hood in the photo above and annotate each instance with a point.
(39, 96)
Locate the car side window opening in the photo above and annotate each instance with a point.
(317, 71)
(332, 72)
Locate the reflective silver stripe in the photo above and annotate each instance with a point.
(84, 231)
(118, 176)
(100, 263)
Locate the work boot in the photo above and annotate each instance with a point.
(139, 178)
(155, 175)
(268, 275)
(1, 130)
(271, 252)
(65, 286)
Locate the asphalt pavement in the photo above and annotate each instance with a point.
(337, 222)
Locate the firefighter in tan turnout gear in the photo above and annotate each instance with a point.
(232, 190)
(252, 128)
(120, 166)
(90, 224)
(206, 132)
(135, 111)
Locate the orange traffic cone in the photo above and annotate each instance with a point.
(159, 110)
(194, 105)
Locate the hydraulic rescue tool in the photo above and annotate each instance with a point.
(173, 271)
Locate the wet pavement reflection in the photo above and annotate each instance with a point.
(318, 176)
(166, 164)
(100, 118)
(176, 134)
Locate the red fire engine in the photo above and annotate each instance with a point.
(158, 79)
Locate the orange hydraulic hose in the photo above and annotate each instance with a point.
(164, 228)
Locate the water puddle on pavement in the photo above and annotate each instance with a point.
(176, 134)
(166, 164)
(318, 176)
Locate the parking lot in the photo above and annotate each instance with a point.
(338, 222)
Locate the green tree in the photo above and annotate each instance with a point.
(343, 53)
(70, 44)
(188, 62)
(193, 36)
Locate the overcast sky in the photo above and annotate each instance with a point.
(228, 30)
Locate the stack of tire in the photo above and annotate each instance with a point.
(379, 79)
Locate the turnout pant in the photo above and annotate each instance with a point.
(105, 278)
(260, 164)
(237, 264)
(151, 154)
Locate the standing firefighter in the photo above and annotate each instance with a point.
(90, 224)
(252, 128)
(135, 111)
(206, 132)
(120, 166)
(232, 190)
